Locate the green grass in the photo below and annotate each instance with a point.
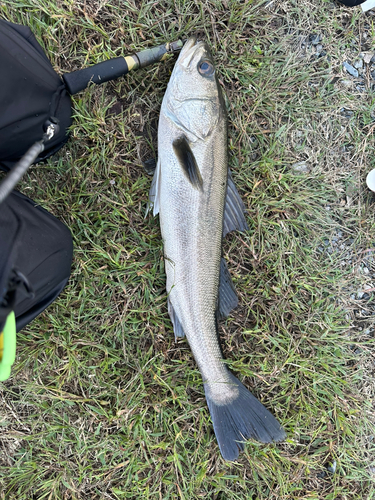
(102, 403)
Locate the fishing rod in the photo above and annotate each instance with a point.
(119, 66)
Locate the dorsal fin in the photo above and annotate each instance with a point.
(234, 212)
(188, 162)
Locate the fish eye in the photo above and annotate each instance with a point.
(205, 68)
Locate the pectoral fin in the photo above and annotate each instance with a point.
(234, 212)
(228, 299)
(188, 162)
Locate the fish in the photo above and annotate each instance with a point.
(198, 204)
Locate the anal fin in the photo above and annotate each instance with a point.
(228, 299)
(234, 211)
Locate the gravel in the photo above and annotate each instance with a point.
(346, 113)
(314, 39)
(350, 69)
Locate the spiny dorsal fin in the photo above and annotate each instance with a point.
(234, 211)
(187, 161)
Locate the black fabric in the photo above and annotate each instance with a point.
(30, 93)
(351, 3)
(37, 246)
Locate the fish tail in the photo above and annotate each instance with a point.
(243, 418)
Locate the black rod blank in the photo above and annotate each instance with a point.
(119, 66)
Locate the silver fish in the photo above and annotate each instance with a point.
(198, 204)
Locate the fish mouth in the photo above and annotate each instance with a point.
(190, 42)
(192, 45)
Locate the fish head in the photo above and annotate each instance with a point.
(193, 100)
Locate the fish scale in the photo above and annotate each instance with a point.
(194, 195)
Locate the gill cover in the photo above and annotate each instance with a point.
(193, 101)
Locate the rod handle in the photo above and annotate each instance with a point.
(99, 73)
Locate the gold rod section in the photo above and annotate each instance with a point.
(150, 56)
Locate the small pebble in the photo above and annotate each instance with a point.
(350, 69)
(358, 64)
(346, 113)
(367, 58)
(112, 182)
(301, 167)
(315, 39)
(347, 83)
(332, 468)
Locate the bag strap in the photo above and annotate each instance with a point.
(15, 175)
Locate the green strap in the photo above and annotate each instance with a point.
(7, 346)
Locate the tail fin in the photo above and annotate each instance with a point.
(243, 418)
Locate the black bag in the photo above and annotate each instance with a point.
(36, 255)
(351, 3)
(30, 93)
